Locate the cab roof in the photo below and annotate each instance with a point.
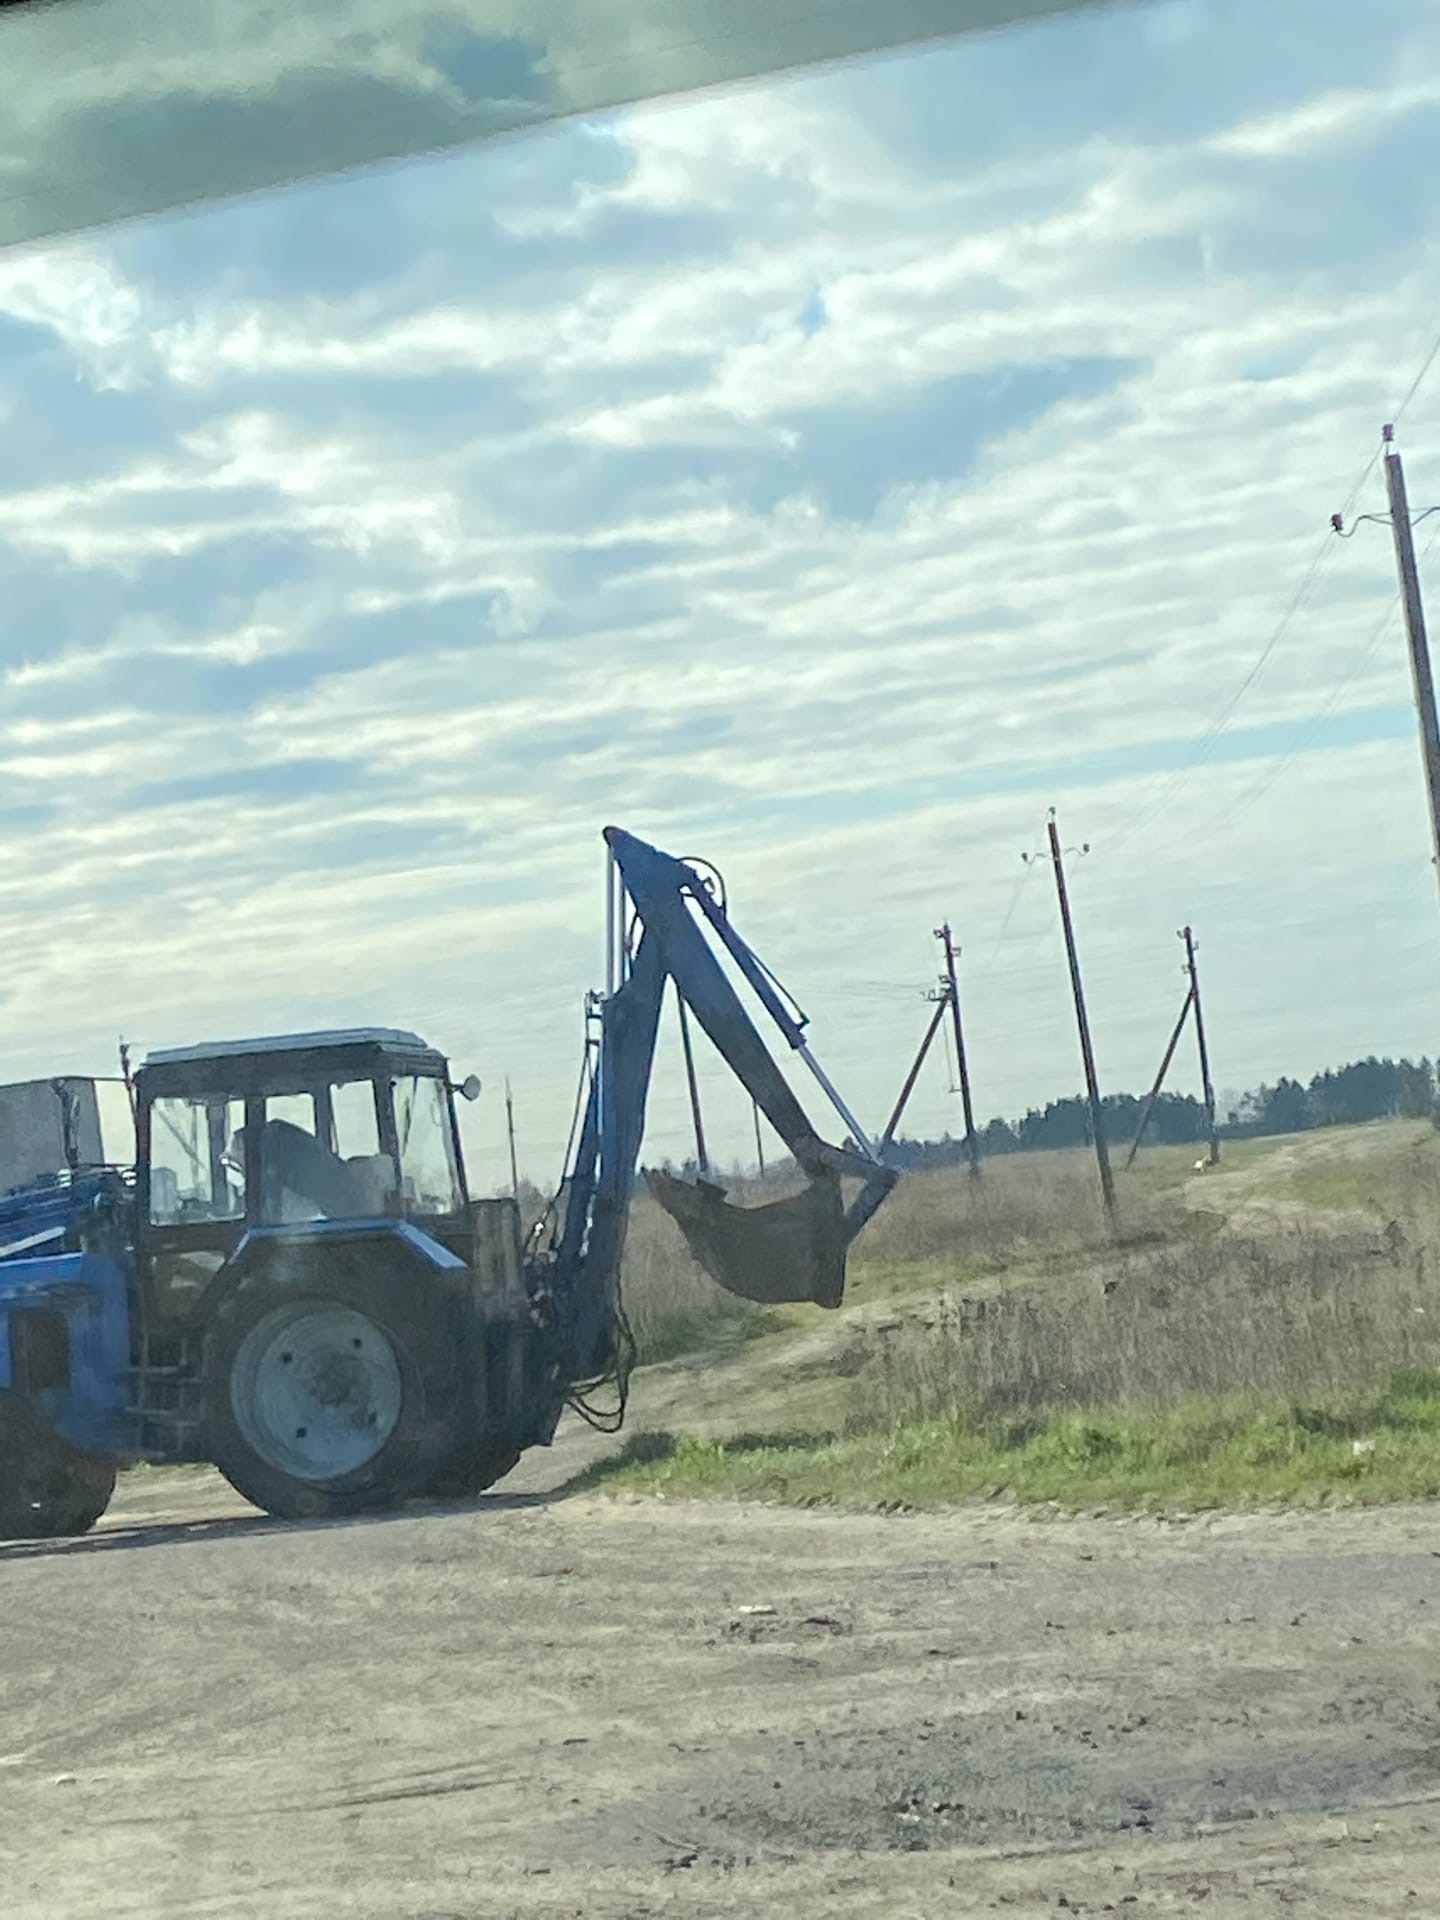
(286, 1062)
(396, 1037)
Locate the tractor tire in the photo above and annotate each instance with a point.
(471, 1470)
(48, 1489)
(333, 1395)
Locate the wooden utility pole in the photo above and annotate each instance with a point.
(510, 1131)
(1420, 672)
(1082, 1022)
(702, 1156)
(951, 988)
(1206, 1088)
(127, 1076)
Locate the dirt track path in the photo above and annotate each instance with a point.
(1252, 1198)
(548, 1708)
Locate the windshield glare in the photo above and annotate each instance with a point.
(429, 1181)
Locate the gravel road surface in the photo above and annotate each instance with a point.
(542, 1707)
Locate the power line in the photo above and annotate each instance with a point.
(1026, 870)
(1416, 383)
(1249, 795)
(1317, 720)
(1205, 743)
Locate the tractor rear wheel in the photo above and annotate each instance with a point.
(471, 1469)
(331, 1396)
(48, 1488)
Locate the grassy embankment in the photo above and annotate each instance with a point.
(1278, 1344)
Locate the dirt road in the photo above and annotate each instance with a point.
(543, 1708)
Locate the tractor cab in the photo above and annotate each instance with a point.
(292, 1129)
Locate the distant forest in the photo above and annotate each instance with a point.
(1365, 1090)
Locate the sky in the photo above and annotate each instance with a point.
(826, 476)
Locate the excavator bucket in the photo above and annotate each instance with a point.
(791, 1249)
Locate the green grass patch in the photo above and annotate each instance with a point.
(1166, 1169)
(871, 1279)
(1351, 1448)
(1238, 1154)
(1348, 1184)
(1387, 1168)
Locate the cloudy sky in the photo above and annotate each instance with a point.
(826, 477)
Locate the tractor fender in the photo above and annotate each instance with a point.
(319, 1251)
(320, 1248)
(510, 1388)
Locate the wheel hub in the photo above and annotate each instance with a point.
(316, 1389)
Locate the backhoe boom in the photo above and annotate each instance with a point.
(792, 1249)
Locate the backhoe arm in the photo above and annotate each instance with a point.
(790, 1249)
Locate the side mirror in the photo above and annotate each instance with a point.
(469, 1087)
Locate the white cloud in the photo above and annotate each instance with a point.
(785, 493)
(1343, 114)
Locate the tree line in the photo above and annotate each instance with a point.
(1365, 1090)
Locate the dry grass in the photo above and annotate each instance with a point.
(1335, 1295)
(1192, 1363)
(1299, 1314)
(1386, 1172)
(1022, 1207)
(673, 1306)
(1040, 1310)
(937, 1229)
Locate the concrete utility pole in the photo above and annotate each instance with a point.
(962, 1064)
(1087, 1051)
(1206, 1088)
(1415, 632)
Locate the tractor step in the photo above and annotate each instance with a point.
(165, 1399)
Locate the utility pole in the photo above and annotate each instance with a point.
(1154, 1093)
(952, 990)
(702, 1156)
(940, 1000)
(759, 1143)
(127, 1076)
(1415, 632)
(1082, 1022)
(1206, 1088)
(510, 1131)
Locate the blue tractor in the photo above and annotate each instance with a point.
(294, 1283)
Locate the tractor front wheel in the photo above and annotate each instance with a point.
(332, 1398)
(47, 1487)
